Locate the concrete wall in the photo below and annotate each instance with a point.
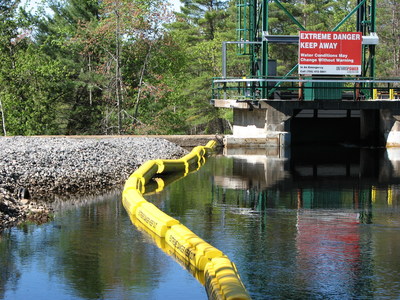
(272, 126)
(390, 127)
(369, 127)
(249, 123)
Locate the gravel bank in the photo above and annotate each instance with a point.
(34, 169)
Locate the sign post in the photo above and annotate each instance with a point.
(330, 53)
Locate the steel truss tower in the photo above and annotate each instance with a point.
(254, 40)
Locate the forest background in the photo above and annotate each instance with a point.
(136, 67)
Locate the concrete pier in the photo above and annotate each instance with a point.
(260, 127)
(270, 123)
(390, 127)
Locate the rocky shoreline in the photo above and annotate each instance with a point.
(35, 170)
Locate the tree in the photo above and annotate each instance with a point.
(121, 66)
(27, 79)
(123, 27)
(199, 31)
(56, 34)
(8, 34)
(388, 27)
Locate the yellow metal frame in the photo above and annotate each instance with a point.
(392, 95)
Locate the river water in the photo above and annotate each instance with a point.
(310, 223)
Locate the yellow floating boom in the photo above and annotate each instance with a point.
(222, 280)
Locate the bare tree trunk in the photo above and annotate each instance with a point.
(3, 119)
(90, 86)
(305, 15)
(121, 85)
(396, 37)
(118, 73)
(141, 82)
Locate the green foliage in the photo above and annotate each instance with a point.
(30, 96)
(388, 28)
(198, 33)
(28, 80)
(104, 67)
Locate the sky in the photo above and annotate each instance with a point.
(176, 4)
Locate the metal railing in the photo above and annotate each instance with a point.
(305, 88)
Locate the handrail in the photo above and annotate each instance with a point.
(311, 80)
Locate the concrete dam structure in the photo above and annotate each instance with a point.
(282, 123)
(332, 94)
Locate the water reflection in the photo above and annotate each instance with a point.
(163, 245)
(9, 271)
(354, 177)
(310, 224)
(346, 220)
(328, 251)
(89, 252)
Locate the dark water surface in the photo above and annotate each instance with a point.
(312, 224)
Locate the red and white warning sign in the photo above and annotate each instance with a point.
(330, 53)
